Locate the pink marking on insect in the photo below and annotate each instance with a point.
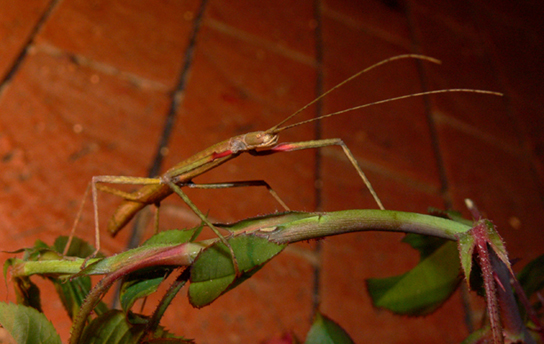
(282, 147)
(219, 155)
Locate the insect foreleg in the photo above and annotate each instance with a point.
(293, 146)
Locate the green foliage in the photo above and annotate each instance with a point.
(212, 273)
(116, 327)
(26, 325)
(423, 289)
(140, 285)
(73, 292)
(209, 267)
(531, 277)
(326, 331)
(173, 237)
(78, 248)
(27, 293)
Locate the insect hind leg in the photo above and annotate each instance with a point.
(241, 183)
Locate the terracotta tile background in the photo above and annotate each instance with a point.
(86, 87)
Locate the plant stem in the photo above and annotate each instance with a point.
(281, 228)
(317, 225)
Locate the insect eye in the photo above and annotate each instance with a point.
(263, 137)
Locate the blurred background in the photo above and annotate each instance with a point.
(132, 87)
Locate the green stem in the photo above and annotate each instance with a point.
(166, 300)
(282, 228)
(171, 256)
(21, 268)
(317, 225)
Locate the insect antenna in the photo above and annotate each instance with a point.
(451, 90)
(277, 129)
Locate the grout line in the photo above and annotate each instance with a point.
(177, 94)
(319, 89)
(28, 44)
(527, 153)
(318, 166)
(176, 97)
(444, 183)
(465, 303)
(260, 42)
(308, 255)
(488, 49)
(370, 166)
(103, 68)
(346, 20)
(475, 132)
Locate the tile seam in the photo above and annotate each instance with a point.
(444, 191)
(28, 43)
(260, 42)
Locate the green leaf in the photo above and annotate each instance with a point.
(141, 284)
(326, 331)
(482, 335)
(73, 292)
(27, 293)
(450, 214)
(78, 248)
(425, 244)
(26, 325)
(34, 253)
(531, 277)
(169, 340)
(483, 233)
(212, 273)
(172, 237)
(424, 288)
(8, 264)
(114, 327)
(466, 252)
(497, 244)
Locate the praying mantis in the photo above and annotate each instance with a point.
(154, 190)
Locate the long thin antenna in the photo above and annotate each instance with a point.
(274, 129)
(467, 90)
